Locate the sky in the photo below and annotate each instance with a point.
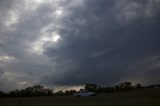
(67, 43)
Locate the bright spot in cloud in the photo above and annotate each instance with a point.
(22, 83)
(6, 58)
(54, 37)
(38, 46)
(39, 1)
(59, 12)
(12, 19)
(34, 4)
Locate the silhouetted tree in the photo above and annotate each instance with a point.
(125, 86)
(36, 90)
(59, 93)
(14, 93)
(137, 86)
(91, 87)
(2, 94)
(70, 92)
(109, 89)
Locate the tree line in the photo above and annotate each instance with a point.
(38, 90)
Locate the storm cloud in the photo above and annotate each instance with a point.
(73, 42)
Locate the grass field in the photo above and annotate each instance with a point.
(132, 98)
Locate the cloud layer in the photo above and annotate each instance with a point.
(68, 43)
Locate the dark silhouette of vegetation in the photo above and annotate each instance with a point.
(91, 87)
(126, 86)
(2, 94)
(67, 92)
(70, 92)
(38, 90)
(59, 93)
(137, 86)
(121, 87)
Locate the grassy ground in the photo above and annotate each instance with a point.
(132, 98)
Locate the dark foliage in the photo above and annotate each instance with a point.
(2, 94)
(59, 93)
(91, 87)
(70, 92)
(121, 87)
(38, 90)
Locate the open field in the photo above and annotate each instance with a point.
(132, 98)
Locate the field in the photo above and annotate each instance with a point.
(132, 98)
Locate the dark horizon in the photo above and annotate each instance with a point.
(42, 90)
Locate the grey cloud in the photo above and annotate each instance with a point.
(102, 41)
(129, 11)
(153, 61)
(1, 72)
(101, 53)
(17, 41)
(95, 28)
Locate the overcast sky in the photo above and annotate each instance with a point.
(73, 42)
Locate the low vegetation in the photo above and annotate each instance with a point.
(38, 90)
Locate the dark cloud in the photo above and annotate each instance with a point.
(1, 72)
(101, 41)
(93, 30)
